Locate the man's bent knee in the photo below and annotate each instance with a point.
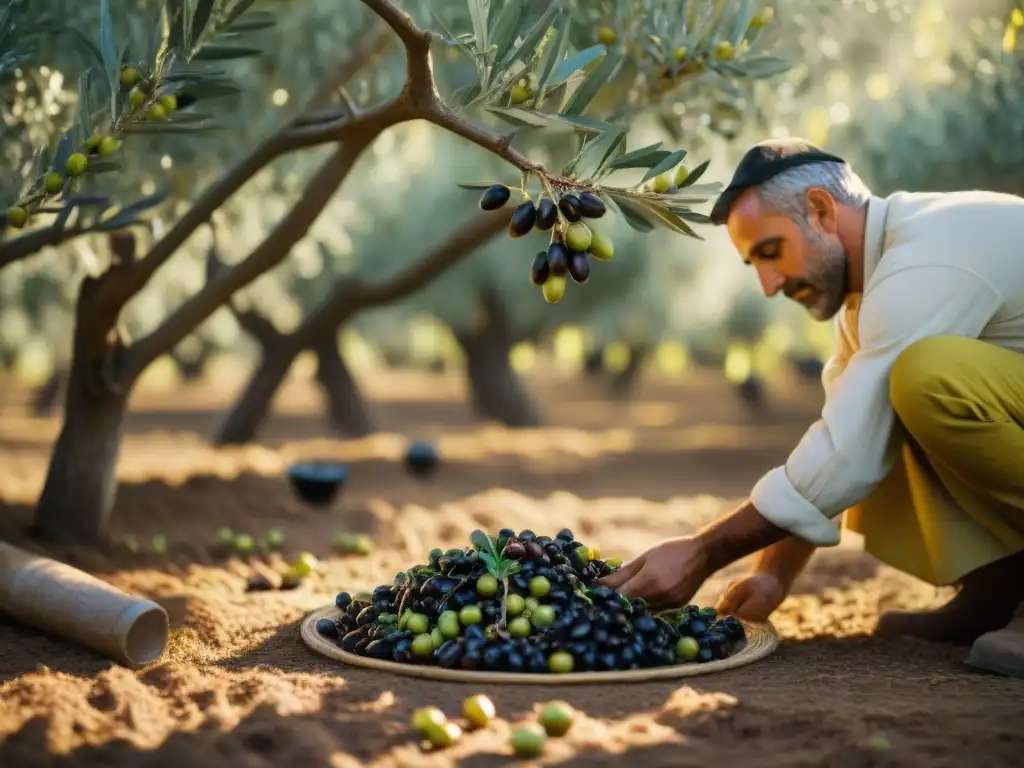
(919, 372)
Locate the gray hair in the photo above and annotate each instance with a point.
(787, 192)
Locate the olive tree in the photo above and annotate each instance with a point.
(578, 67)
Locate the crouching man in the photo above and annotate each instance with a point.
(921, 439)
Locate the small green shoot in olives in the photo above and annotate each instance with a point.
(556, 718)
(527, 741)
(478, 710)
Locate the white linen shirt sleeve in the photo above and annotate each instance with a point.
(848, 451)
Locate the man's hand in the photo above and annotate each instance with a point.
(753, 597)
(666, 576)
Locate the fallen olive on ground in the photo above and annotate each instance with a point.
(524, 603)
(478, 710)
(528, 740)
(556, 718)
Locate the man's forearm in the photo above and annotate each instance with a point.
(738, 535)
(785, 560)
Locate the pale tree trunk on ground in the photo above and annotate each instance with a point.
(495, 391)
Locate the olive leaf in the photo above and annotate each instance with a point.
(588, 89)
(695, 174)
(531, 38)
(645, 157)
(552, 55)
(667, 163)
(477, 185)
(63, 151)
(503, 32)
(222, 51)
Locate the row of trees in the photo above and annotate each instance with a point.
(152, 88)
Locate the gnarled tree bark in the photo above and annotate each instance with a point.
(346, 409)
(495, 392)
(320, 328)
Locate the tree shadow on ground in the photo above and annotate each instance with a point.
(825, 701)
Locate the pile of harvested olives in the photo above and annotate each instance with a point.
(523, 603)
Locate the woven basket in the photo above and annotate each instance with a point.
(762, 639)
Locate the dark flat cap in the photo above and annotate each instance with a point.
(763, 161)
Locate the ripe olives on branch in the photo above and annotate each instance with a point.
(569, 205)
(523, 219)
(547, 214)
(494, 197)
(529, 604)
(591, 206)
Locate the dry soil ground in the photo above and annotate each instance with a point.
(236, 687)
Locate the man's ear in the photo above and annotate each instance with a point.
(822, 210)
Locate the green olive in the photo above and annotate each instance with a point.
(305, 564)
(519, 627)
(436, 637)
(527, 741)
(54, 182)
(443, 735)
(423, 645)
(514, 605)
(542, 616)
(487, 585)
(531, 603)
(17, 216)
(478, 710)
(448, 623)
(560, 662)
(556, 718)
(76, 164)
(470, 614)
(578, 237)
(403, 620)
(418, 624)
(539, 586)
(425, 717)
(687, 649)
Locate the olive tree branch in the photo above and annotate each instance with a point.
(23, 246)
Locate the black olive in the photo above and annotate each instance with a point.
(565, 535)
(362, 645)
(343, 600)
(526, 535)
(601, 636)
(591, 205)
(449, 654)
(579, 648)
(569, 205)
(546, 571)
(514, 551)
(356, 607)
(558, 259)
(474, 631)
(402, 649)
(638, 605)
(544, 540)
(515, 662)
(717, 642)
(470, 660)
(626, 656)
(705, 655)
(463, 596)
(327, 628)
(534, 551)
(666, 627)
(698, 627)
(494, 197)
(604, 593)
(492, 656)
(536, 663)
(520, 582)
(366, 616)
(581, 629)
(547, 215)
(539, 269)
(579, 267)
(383, 592)
(691, 609)
(347, 622)
(349, 641)
(491, 610)
(607, 660)
(527, 569)
(523, 219)
(733, 628)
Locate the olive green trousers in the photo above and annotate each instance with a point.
(954, 501)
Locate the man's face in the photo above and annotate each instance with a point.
(807, 263)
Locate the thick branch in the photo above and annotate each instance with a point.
(373, 39)
(268, 254)
(414, 38)
(25, 245)
(352, 295)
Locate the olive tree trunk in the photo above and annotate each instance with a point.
(48, 394)
(623, 382)
(346, 408)
(495, 391)
(249, 413)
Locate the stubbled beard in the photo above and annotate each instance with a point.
(827, 277)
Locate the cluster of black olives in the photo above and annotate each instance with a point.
(554, 616)
(573, 242)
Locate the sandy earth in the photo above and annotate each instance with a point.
(237, 687)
